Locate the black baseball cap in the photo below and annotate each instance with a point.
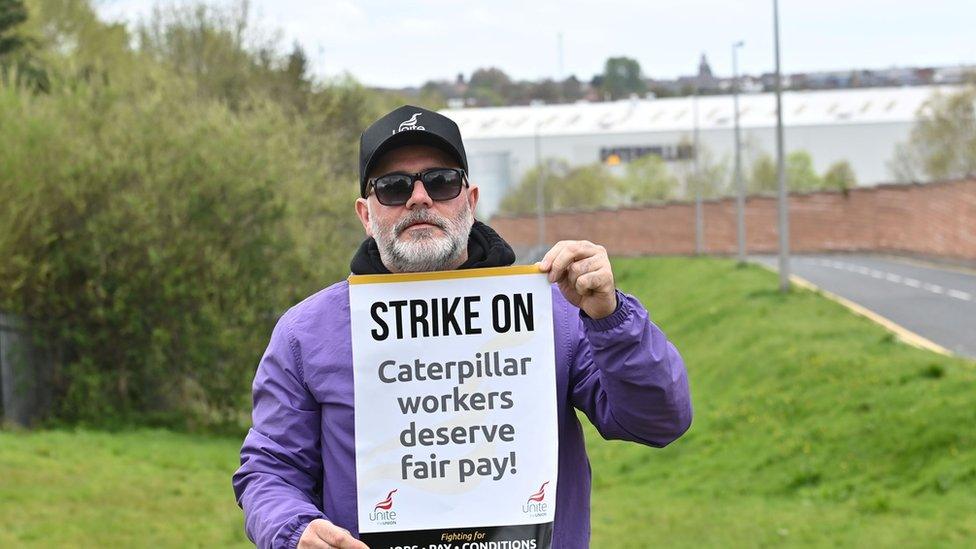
(408, 125)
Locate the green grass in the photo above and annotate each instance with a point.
(146, 488)
(813, 427)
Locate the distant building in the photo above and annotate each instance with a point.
(707, 83)
(457, 92)
(954, 75)
(860, 125)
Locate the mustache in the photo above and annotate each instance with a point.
(419, 216)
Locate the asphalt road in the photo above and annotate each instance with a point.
(938, 303)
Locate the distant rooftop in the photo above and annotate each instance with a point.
(800, 108)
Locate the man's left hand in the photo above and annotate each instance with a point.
(582, 270)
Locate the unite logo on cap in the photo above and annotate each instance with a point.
(410, 124)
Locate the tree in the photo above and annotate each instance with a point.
(17, 63)
(711, 176)
(586, 187)
(73, 45)
(564, 188)
(521, 199)
(206, 44)
(905, 164)
(622, 77)
(942, 143)
(295, 70)
(545, 90)
(800, 175)
(490, 87)
(762, 177)
(432, 96)
(12, 14)
(491, 77)
(571, 89)
(647, 179)
(148, 194)
(296, 66)
(840, 176)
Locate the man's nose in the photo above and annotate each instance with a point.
(419, 196)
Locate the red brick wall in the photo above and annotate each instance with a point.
(936, 219)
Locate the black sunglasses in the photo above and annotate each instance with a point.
(395, 189)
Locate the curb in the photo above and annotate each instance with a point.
(904, 334)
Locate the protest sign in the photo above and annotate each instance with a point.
(455, 409)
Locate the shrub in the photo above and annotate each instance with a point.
(152, 230)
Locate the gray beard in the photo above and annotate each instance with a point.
(425, 251)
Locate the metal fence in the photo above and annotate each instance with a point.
(25, 374)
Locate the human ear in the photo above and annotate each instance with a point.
(473, 196)
(362, 211)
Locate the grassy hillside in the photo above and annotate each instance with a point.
(144, 488)
(813, 427)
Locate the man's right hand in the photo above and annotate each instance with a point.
(322, 534)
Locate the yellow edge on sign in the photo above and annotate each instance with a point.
(445, 275)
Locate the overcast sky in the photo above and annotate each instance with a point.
(395, 44)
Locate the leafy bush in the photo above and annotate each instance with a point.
(800, 174)
(146, 239)
(155, 221)
(840, 176)
(647, 179)
(589, 186)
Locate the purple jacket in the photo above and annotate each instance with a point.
(298, 459)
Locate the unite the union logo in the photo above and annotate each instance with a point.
(410, 124)
(536, 506)
(383, 512)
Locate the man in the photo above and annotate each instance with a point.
(297, 480)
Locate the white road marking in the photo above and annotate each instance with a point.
(934, 288)
(897, 279)
(965, 296)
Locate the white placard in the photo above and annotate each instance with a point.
(455, 399)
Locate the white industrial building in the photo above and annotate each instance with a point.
(861, 126)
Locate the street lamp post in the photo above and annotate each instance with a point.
(539, 196)
(696, 177)
(784, 218)
(740, 188)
